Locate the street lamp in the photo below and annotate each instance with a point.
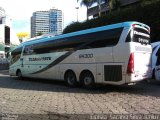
(77, 12)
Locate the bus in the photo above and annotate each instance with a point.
(113, 54)
(156, 60)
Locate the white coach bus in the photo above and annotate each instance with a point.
(113, 54)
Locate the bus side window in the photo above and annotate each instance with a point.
(110, 41)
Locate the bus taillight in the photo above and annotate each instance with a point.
(133, 25)
(130, 68)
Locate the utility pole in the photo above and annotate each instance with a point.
(77, 12)
(77, 9)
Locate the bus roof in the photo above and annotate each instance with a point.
(107, 27)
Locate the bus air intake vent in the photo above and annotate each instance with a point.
(113, 73)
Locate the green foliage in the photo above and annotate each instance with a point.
(39, 33)
(146, 2)
(87, 3)
(146, 12)
(116, 4)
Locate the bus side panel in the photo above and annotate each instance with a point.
(52, 73)
(13, 68)
(42, 65)
(99, 73)
(121, 54)
(88, 59)
(77, 69)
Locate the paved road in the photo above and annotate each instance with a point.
(43, 99)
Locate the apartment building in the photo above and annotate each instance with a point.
(94, 11)
(44, 22)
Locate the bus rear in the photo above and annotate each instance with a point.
(139, 62)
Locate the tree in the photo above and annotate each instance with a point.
(39, 33)
(113, 4)
(99, 2)
(87, 3)
(99, 6)
(22, 35)
(116, 4)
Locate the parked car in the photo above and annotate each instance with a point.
(156, 60)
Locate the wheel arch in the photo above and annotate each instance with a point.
(69, 70)
(85, 71)
(17, 71)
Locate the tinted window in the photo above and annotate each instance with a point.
(44, 48)
(15, 55)
(91, 40)
(108, 38)
(138, 35)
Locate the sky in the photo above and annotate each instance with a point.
(20, 11)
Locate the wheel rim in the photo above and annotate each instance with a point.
(87, 80)
(71, 79)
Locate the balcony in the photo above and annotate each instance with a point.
(93, 11)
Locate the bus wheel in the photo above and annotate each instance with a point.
(87, 80)
(70, 79)
(19, 74)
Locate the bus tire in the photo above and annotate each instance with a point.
(153, 74)
(87, 80)
(70, 79)
(19, 74)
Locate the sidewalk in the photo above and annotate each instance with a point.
(4, 71)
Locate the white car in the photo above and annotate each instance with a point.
(156, 60)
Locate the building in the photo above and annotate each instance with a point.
(8, 38)
(44, 22)
(94, 11)
(2, 14)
